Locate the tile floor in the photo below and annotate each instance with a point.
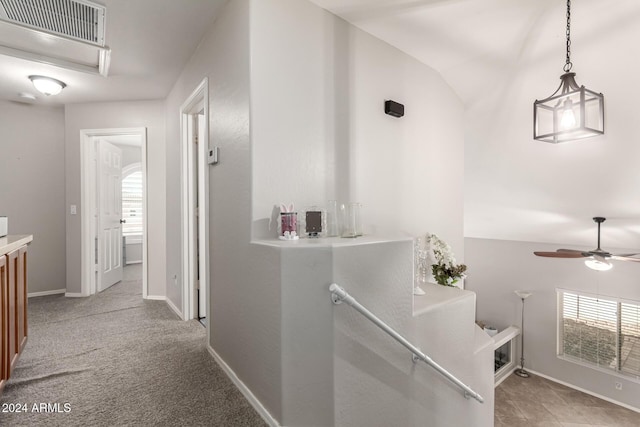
(535, 401)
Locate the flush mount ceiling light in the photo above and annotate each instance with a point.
(47, 85)
(572, 112)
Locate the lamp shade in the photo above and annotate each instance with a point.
(523, 294)
(47, 85)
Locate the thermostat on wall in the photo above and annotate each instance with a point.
(213, 156)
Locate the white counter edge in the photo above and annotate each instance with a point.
(329, 242)
(12, 242)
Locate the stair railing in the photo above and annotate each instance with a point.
(339, 295)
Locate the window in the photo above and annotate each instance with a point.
(599, 332)
(132, 204)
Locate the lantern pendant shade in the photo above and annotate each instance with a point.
(572, 112)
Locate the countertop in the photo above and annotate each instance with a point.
(12, 242)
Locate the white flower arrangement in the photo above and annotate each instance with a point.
(444, 268)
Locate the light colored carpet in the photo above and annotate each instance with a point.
(119, 360)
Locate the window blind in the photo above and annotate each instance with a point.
(601, 332)
(630, 338)
(132, 210)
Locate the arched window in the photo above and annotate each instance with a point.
(132, 211)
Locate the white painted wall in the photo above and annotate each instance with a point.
(133, 251)
(498, 267)
(375, 381)
(149, 114)
(337, 368)
(223, 57)
(525, 190)
(319, 130)
(245, 296)
(288, 141)
(292, 107)
(408, 171)
(32, 187)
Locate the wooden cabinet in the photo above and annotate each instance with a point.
(4, 319)
(13, 310)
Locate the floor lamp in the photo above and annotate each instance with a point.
(523, 295)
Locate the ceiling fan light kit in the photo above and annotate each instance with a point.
(572, 112)
(597, 259)
(598, 264)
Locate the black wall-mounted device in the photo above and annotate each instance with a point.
(393, 108)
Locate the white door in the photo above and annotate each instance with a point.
(109, 214)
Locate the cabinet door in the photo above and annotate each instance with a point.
(21, 290)
(4, 327)
(12, 309)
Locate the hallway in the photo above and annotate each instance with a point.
(115, 359)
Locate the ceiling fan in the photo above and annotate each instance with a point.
(597, 258)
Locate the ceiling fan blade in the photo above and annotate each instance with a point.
(625, 258)
(573, 254)
(625, 255)
(570, 251)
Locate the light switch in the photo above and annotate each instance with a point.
(73, 210)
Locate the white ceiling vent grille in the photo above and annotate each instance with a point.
(77, 19)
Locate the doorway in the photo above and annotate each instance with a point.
(195, 204)
(113, 208)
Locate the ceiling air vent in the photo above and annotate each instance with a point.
(76, 19)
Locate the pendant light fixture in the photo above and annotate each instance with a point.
(572, 112)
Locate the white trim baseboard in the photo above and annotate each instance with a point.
(599, 396)
(505, 376)
(74, 295)
(45, 293)
(253, 400)
(168, 301)
(174, 308)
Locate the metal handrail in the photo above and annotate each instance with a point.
(338, 295)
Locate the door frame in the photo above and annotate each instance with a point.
(197, 101)
(88, 171)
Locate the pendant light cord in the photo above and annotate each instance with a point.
(568, 64)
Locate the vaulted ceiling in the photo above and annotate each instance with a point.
(501, 55)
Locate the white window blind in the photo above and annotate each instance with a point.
(602, 332)
(630, 338)
(132, 204)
